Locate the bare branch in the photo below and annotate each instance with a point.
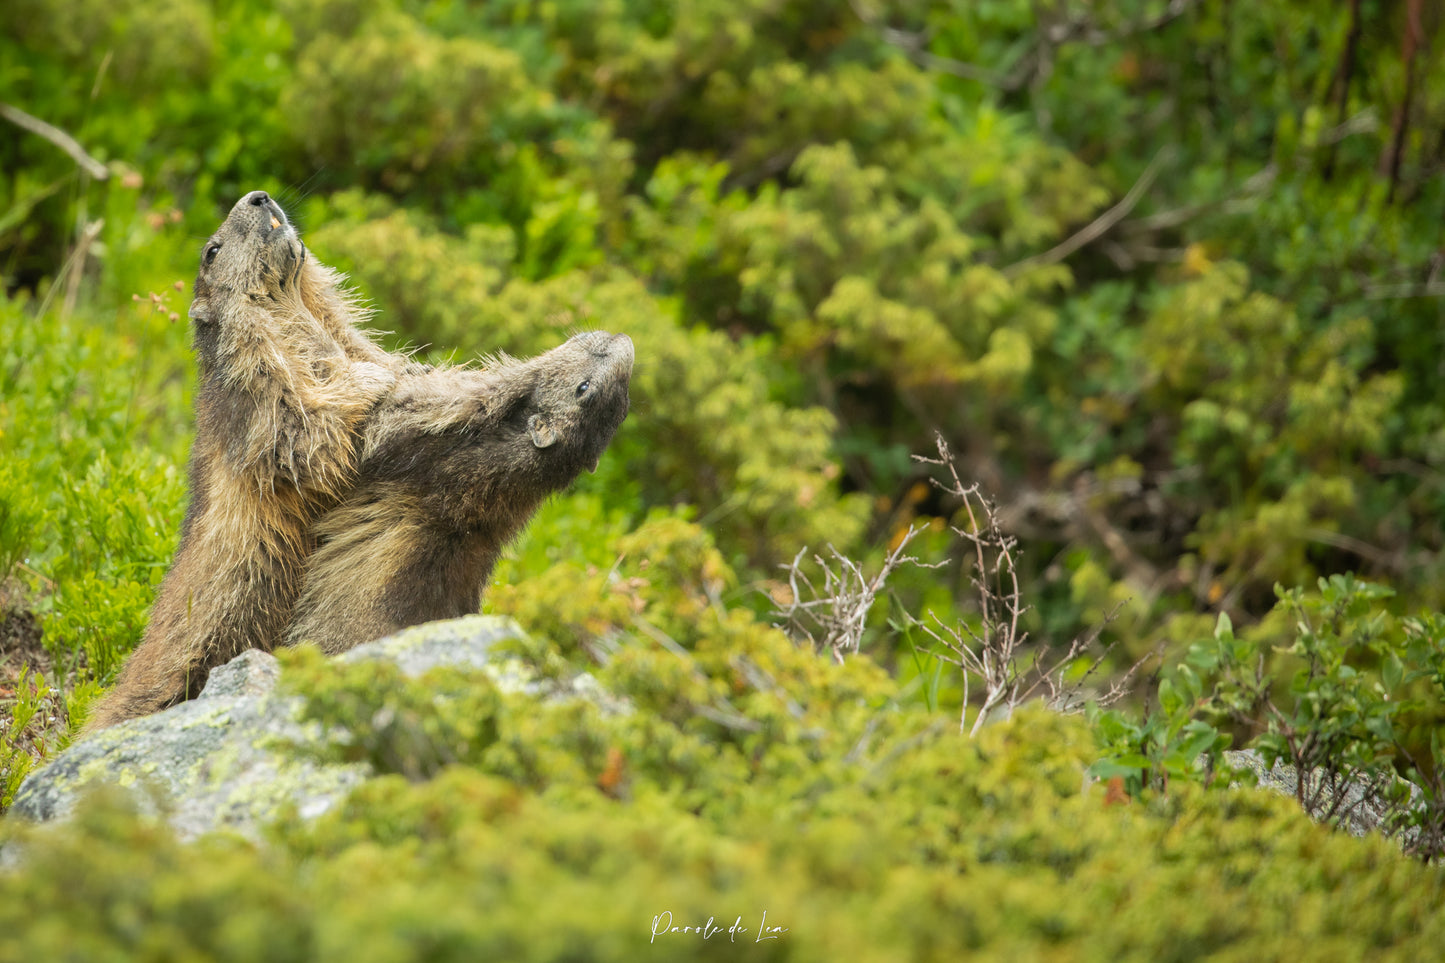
(75, 265)
(997, 651)
(1257, 183)
(1033, 60)
(835, 618)
(72, 268)
(1100, 225)
(57, 137)
(992, 652)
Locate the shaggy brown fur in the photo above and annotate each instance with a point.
(454, 463)
(285, 382)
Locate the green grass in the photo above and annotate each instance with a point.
(94, 426)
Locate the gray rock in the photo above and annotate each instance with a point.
(225, 761)
(1359, 812)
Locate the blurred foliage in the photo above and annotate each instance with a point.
(469, 866)
(747, 777)
(1166, 275)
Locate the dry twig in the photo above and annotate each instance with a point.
(996, 652)
(1097, 227)
(57, 137)
(834, 619)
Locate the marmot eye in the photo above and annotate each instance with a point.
(210, 254)
(582, 388)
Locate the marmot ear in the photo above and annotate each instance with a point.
(200, 310)
(542, 432)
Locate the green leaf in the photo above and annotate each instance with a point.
(1109, 768)
(1392, 672)
(1223, 627)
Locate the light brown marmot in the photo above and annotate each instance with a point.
(284, 383)
(453, 464)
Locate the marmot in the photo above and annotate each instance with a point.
(291, 397)
(284, 384)
(453, 464)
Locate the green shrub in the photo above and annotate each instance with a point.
(705, 421)
(921, 844)
(1354, 700)
(356, 100)
(101, 507)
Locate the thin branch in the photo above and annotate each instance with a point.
(72, 267)
(960, 68)
(1343, 75)
(1410, 43)
(1031, 61)
(998, 652)
(1084, 29)
(1100, 225)
(1390, 292)
(76, 265)
(1256, 183)
(735, 721)
(1355, 546)
(57, 137)
(835, 618)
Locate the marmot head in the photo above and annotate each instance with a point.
(255, 254)
(578, 401)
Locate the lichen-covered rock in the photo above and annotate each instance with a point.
(228, 759)
(1356, 808)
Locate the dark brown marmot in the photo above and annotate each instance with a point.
(284, 384)
(453, 464)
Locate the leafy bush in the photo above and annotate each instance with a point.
(90, 502)
(1353, 703)
(922, 843)
(355, 100)
(706, 425)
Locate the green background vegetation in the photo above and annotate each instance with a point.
(1167, 276)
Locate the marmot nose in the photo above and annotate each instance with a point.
(257, 198)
